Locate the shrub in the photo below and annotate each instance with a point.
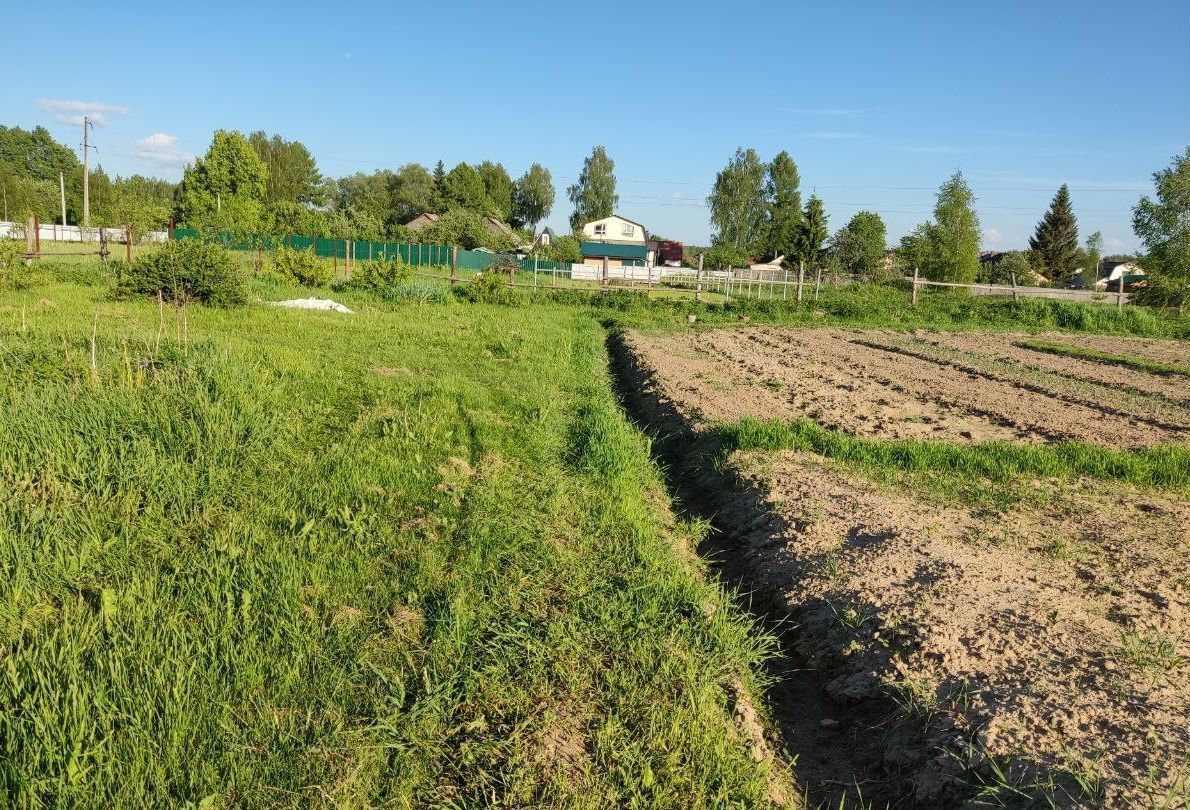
(488, 287)
(389, 280)
(375, 274)
(13, 273)
(184, 271)
(302, 266)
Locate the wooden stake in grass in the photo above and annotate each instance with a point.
(160, 321)
(94, 341)
(801, 279)
(913, 294)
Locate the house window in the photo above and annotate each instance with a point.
(601, 229)
(628, 230)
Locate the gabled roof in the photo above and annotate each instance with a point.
(617, 216)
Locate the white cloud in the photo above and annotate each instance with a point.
(1114, 244)
(992, 238)
(162, 150)
(73, 112)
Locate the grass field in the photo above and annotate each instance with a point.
(416, 556)
(413, 557)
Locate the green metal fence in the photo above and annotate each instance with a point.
(410, 253)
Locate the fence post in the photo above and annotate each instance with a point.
(785, 286)
(817, 282)
(128, 243)
(30, 237)
(454, 264)
(1120, 294)
(1014, 293)
(605, 272)
(698, 280)
(913, 295)
(801, 279)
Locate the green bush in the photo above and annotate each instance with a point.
(13, 273)
(302, 266)
(184, 271)
(489, 287)
(375, 274)
(1163, 291)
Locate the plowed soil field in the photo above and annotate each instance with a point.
(1043, 646)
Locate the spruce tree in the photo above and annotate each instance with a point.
(785, 207)
(811, 232)
(1056, 241)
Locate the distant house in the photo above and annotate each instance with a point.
(1109, 275)
(422, 221)
(494, 226)
(543, 239)
(617, 240)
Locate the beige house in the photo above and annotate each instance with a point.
(616, 241)
(616, 230)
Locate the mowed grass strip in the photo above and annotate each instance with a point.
(1163, 466)
(1108, 358)
(413, 557)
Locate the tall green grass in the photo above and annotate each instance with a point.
(881, 306)
(1165, 466)
(414, 557)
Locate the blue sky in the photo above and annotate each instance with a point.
(878, 102)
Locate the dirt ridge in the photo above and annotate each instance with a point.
(1106, 409)
(838, 740)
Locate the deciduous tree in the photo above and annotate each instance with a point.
(737, 202)
(1091, 257)
(225, 188)
(293, 174)
(412, 192)
(1163, 225)
(953, 237)
(463, 188)
(497, 186)
(860, 244)
(533, 196)
(594, 195)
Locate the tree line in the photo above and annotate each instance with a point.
(757, 213)
(31, 165)
(261, 185)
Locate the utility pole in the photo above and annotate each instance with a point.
(86, 173)
(62, 188)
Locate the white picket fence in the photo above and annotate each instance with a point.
(648, 275)
(76, 233)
